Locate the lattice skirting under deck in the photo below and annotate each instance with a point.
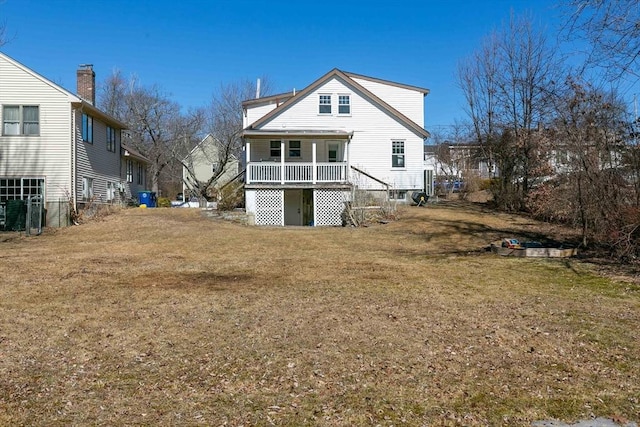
(329, 206)
(269, 205)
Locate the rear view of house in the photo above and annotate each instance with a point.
(306, 151)
(56, 145)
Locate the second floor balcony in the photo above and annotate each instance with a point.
(296, 172)
(297, 157)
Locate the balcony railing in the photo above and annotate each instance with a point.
(274, 172)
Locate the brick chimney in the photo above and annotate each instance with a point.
(87, 83)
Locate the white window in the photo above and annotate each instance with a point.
(87, 128)
(20, 188)
(324, 104)
(111, 191)
(129, 171)
(20, 120)
(294, 149)
(397, 195)
(111, 139)
(344, 104)
(397, 154)
(274, 149)
(87, 188)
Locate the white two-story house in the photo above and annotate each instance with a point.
(58, 145)
(305, 151)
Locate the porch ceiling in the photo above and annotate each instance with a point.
(297, 133)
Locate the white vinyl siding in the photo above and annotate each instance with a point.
(408, 102)
(373, 130)
(93, 160)
(48, 155)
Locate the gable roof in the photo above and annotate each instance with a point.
(75, 100)
(208, 139)
(347, 79)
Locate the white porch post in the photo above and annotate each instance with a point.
(247, 156)
(314, 172)
(282, 174)
(348, 171)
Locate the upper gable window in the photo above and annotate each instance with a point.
(324, 104)
(87, 128)
(20, 120)
(344, 104)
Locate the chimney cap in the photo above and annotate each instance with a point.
(86, 66)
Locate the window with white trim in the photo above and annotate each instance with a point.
(129, 170)
(397, 154)
(87, 128)
(324, 102)
(397, 195)
(20, 188)
(294, 149)
(111, 139)
(111, 191)
(344, 104)
(87, 188)
(20, 120)
(274, 149)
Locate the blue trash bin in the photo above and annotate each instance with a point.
(147, 198)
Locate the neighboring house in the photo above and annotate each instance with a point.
(306, 151)
(56, 144)
(457, 160)
(133, 174)
(203, 162)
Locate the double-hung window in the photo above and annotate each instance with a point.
(111, 139)
(140, 175)
(294, 149)
(129, 171)
(324, 104)
(87, 188)
(20, 120)
(87, 128)
(111, 191)
(397, 154)
(274, 149)
(344, 104)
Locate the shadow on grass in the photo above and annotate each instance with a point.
(201, 280)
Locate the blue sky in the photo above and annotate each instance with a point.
(191, 47)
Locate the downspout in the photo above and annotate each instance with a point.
(73, 159)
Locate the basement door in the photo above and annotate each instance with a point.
(292, 207)
(298, 207)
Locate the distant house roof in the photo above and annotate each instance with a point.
(348, 79)
(127, 151)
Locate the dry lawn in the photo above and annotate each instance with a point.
(167, 317)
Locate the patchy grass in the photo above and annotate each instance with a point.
(165, 317)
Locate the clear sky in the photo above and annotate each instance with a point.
(191, 47)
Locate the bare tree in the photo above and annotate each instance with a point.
(593, 188)
(223, 118)
(156, 126)
(613, 31)
(508, 84)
